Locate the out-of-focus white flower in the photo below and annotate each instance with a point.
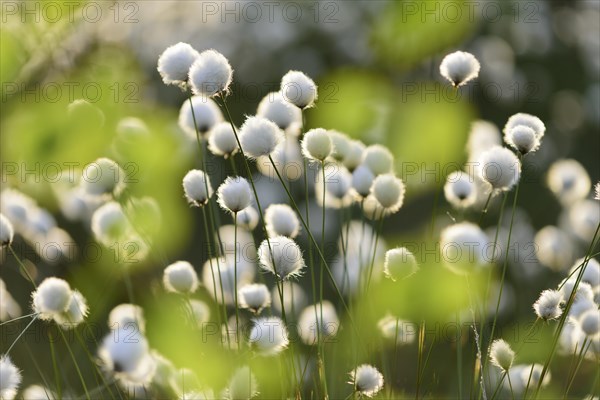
(125, 353)
(7, 232)
(294, 298)
(197, 187)
(569, 181)
(275, 108)
(242, 385)
(463, 245)
(205, 112)
(103, 176)
(483, 136)
(180, 277)
(527, 120)
(341, 144)
(590, 322)
(378, 159)
(259, 137)
(200, 312)
(175, 62)
(281, 220)
(460, 190)
(9, 308)
(234, 194)
(547, 306)
(75, 313)
(397, 330)
(583, 219)
(399, 263)
(554, 248)
(109, 224)
(522, 138)
(247, 218)
(591, 273)
(210, 74)
(388, 190)
(318, 321)
(254, 297)
(362, 180)
(222, 141)
(338, 185)
(459, 68)
(38, 392)
(127, 316)
(268, 336)
(367, 380)
(281, 256)
(10, 378)
(354, 155)
(219, 273)
(500, 168)
(298, 89)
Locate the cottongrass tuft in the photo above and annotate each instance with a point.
(523, 139)
(463, 245)
(75, 313)
(268, 336)
(52, 297)
(103, 177)
(398, 331)
(362, 180)
(254, 297)
(247, 218)
(205, 112)
(210, 74)
(569, 181)
(281, 220)
(180, 277)
(379, 159)
(354, 155)
(127, 316)
(259, 137)
(367, 380)
(222, 141)
(501, 355)
(460, 190)
(10, 378)
(590, 322)
(527, 120)
(399, 263)
(242, 385)
(275, 108)
(298, 89)
(281, 256)
(459, 68)
(197, 187)
(340, 144)
(234, 194)
(175, 62)
(500, 168)
(553, 248)
(591, 273)
(318, 321)
(483, 136)
(125, 353)
(547, 306)
(7, 231)
(109, 224)
(388, 190)
(316, 144)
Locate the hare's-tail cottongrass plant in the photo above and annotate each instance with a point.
(259, 317)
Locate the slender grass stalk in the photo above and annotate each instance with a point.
(21, 334)
(85, 389)
(21, 265)
(321, 278)
(57, 375)
(377, 235)
(421, 345)
(459, 357)
(584, 349)
(235, 281)
(18, 318)
(485, 207)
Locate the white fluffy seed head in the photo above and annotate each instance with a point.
(388, 190)
(597, 191)
(275, 108)
(247, 218)
(341, 144)
(205, 112)
(109, 223)
(338, 185)
(463, 245)
(51, 297)
(500, 168)
(298, 89)
(378, 159)
(222, 141)
(399, 263)
(242, 385)
(583, 218)
(459, 68)
(103, 176)
(259, 137)
(197, 187)
(268, 336)
(7, 232)
(483, 136)
(362, 180)
(354, 155)
(316, 144)
(591, 273)
(10, 378)
(281, 220)
(180, 277)
(318, 320)
(569, 181)
(254, 297)
(175, 62)
(528, 120)
(234, 194)
(210, 74)
(125, 316)
(397, 330)
(122, 351)
(554, 248)
(75, 313)
(367, 380)
(522, 138)
(460, 190)
(283, 258)
(501, 354)
(547, 306)
(590, 322)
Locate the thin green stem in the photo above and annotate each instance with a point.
(21, 334)
(21, 265)
(485, 207)
(85, 389)
(235, 281)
